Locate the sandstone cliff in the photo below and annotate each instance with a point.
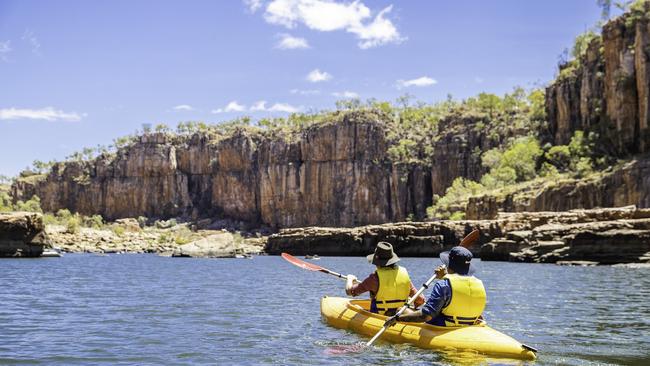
(604, 92)
(607, 89)
(335, 173)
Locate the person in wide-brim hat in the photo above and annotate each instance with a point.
(390, 285)
(383, 255)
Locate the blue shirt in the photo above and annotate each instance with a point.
(439, 298)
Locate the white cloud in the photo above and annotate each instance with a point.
(183, 107)
(329, 15)
(253, 5)
(421, 81)
(316, 76)
(283, 107)
(5, 48)
(259, 106)
(379, 32)
(47, 114)
(31, 38)
(304, 92)
(231, 107)
(479, 80)
(289, 42)
(346, 94)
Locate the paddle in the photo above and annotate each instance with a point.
(309, 266)
(466, 242)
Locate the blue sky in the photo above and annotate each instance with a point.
(76, 74)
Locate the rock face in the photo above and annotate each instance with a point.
(22, 234)
(610, 89)
(600, 236)
(334, 174)
(627, 185)
(214, 246)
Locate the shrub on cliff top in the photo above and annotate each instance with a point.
(515, 164)
(457, 194)
(576, 158)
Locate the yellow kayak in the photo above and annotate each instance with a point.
(351, 314)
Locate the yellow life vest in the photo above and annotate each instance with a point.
(468, 300)
(394, 288)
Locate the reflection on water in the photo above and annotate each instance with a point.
(149, 310)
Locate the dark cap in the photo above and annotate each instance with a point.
(459, 259)
(384, 255)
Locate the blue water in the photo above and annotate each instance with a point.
(150, 310)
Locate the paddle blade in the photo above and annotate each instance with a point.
(302, 264)
(470, 238)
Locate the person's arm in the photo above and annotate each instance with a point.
(441, 271)
(419, 300)
(371, 283)
(439, 298)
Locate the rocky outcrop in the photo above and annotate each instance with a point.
(22, 234)
(413, 239)
(607, 89)
(220, 245)
(601, 236)
(623, 186)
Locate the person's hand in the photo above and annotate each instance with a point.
(391, 321)
(352, 278)
(441, 271)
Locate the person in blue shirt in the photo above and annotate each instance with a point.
(457, 300)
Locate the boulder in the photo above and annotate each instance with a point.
(22, 234)
(129, 224)
(220, 245)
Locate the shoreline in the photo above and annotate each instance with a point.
(608, 236)
(145, 240)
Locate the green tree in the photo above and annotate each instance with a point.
(161, 127)
(559, 156)
(459, 191)
(489, 103)
(31, 205)
(537, 102)
(581, 43)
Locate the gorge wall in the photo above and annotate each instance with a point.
(607, 90)
(335, 174)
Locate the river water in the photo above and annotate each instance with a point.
(150, 310)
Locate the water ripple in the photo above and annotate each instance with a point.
(149, 310)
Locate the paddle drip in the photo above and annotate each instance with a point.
(344, 348)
